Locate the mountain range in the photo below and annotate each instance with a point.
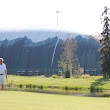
(29, 52)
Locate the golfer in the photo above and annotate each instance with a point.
(3, 72)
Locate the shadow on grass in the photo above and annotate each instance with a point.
(97, 86)
(100, 82)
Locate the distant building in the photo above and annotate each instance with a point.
(91, 72)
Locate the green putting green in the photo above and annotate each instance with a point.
(10, 100)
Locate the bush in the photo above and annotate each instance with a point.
(60, 73)
(67, 74)
(96, 89)
(34, 86)
(40, 87)
(54, 76)
(66, 88)
(20, 86)
(29, 86)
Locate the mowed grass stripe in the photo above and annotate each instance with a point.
(10, 100)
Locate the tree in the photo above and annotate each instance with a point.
(68, 57)
(105, 43)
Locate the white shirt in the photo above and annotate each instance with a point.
(2, 68)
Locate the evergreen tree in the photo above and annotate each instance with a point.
(105, 43)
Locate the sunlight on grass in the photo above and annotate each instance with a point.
(36, 101)
(97, 81)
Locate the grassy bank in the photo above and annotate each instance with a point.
(71, 83)
(35, 101)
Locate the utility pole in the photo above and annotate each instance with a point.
(27, 52)
(57, 16)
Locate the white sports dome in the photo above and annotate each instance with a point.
(36, 34)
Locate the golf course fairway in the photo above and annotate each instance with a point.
(12, 100)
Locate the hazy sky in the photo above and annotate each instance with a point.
(78, 15)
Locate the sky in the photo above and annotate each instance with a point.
(75, 15)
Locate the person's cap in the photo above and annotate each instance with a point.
(1, 59)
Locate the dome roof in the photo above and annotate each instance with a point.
(36, 35)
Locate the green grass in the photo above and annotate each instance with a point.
(96, 81)
(36, 101)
